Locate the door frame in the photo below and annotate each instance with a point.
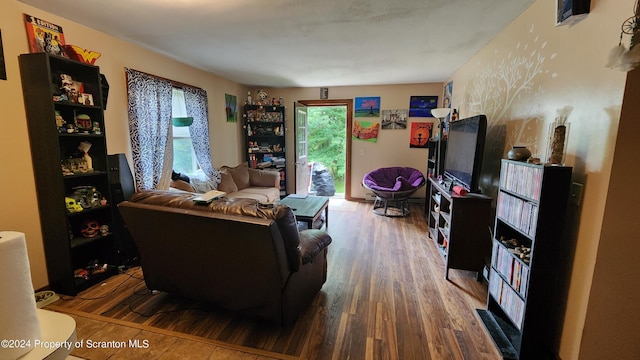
(347, 166)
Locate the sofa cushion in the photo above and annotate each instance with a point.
(226, 183)
(262, 194)
(240, 175)
(264, 178)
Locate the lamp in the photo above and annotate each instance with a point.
(440, 114)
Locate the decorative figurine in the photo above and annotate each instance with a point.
(70, 128)
(96, 128)
(59, 121)
(104, 230)
(262, 97)
(72, 205)
(90, 228)
(84, 147)
(83, 123)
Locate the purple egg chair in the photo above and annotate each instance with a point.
(393, 186)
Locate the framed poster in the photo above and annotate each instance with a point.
(44, 36)
(420, 134)
(365, 131)
(367, 106)
(231, 107)
(420, 106)
(394, 119)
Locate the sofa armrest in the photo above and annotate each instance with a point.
(312, 242)
(264, 178)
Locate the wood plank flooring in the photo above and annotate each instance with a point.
(385, 298)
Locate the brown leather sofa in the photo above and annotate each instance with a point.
(233, 253)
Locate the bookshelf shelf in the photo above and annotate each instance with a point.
(528, 232)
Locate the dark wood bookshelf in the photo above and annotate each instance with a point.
(525, 264)
(265, 135)
(66, 251)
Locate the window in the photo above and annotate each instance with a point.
(184, 156)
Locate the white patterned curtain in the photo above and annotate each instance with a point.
(196, 103)
(150, 129)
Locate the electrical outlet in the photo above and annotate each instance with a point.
(575, 193)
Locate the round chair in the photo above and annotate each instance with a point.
(393, 186)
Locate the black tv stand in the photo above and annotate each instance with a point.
(460, 227)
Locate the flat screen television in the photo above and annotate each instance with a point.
(465, 147)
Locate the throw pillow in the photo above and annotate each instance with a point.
(226, 183)
(240, 175)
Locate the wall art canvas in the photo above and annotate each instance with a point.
(3, 69)
(365, 130)
(420, 106)
(44, 36)
(420, 134)
(367, 106)
(394, 119)
(231, 108)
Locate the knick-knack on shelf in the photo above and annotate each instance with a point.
(519, 153)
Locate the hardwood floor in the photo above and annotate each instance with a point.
(385, 298)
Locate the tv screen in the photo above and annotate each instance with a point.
(465, 147)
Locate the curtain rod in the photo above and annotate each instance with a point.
(173, 82)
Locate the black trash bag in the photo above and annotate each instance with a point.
(322, 180)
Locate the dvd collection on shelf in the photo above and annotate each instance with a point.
(522, 180)
(521, 214)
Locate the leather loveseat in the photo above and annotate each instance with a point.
(237, 254)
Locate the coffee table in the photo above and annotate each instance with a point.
(308, 208)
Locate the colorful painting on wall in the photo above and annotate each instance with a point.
(420, 134)
(420, 106)
(394, 119)
(367, 106)
(365, 131)
(231, 108)
(44, 36)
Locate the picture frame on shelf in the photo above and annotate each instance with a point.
(86, 99)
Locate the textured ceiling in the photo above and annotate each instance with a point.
(308, 43)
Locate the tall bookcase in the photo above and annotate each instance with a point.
(435, 165)
(60, 117)
(528, 237)
(265, 132)
(460, 226)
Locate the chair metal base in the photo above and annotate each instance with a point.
(391, 207)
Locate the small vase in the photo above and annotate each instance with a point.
(519, 153)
